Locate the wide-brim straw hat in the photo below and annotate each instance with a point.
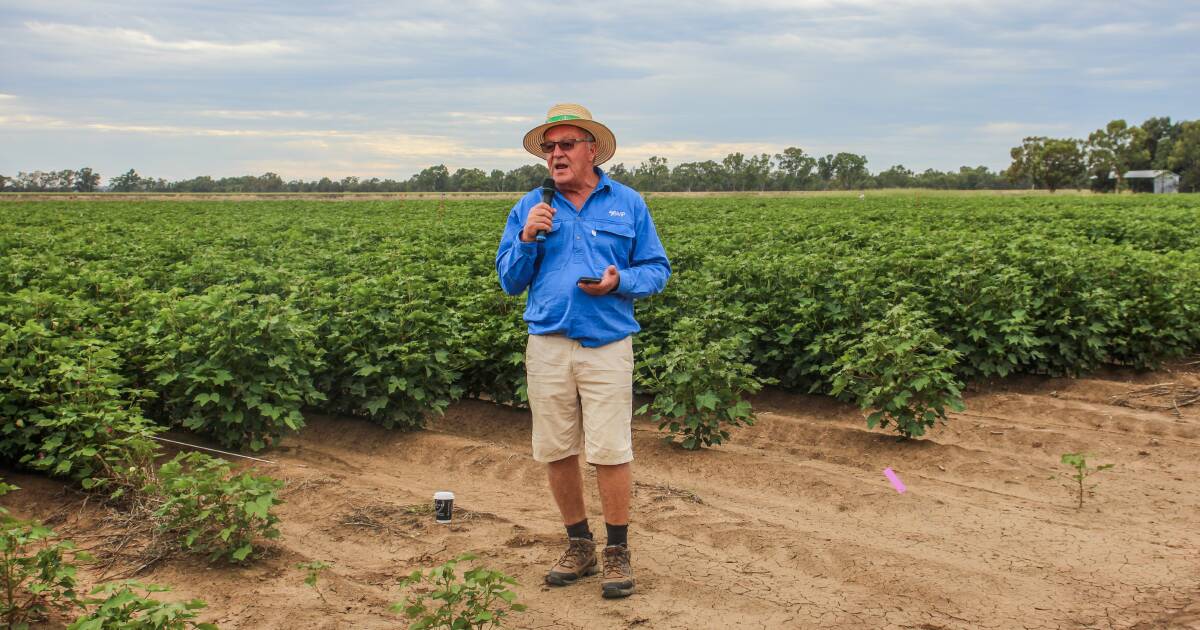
(577, 116)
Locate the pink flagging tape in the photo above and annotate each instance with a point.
(896, 483)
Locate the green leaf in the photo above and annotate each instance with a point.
(368, 370)
(707, 400)
(220, 377)
(375, 404)
(241, 553)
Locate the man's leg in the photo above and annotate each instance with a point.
(557, 420)
(605, 380)
(579, 560)
(566, 483)
(616, 483)
(557, 433)
(616, 486)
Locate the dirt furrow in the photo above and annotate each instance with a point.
(790, 525)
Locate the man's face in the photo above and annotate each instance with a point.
(570, 169)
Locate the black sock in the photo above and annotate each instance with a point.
(579, 530)
(617, 534)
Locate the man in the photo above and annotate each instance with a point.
(579, 358)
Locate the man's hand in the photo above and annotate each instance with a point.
(540, 218)
(608, 282)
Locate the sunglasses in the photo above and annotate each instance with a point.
(567, 145)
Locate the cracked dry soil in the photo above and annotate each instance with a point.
(792, 525)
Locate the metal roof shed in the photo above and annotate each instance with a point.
(1164, 181)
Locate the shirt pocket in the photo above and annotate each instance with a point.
(555, 247)
(613, 241)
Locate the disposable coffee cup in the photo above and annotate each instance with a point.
(443, 506)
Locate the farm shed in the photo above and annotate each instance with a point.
(1162, 181)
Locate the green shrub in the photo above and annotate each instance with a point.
(125, 607)
(985, 309)
(491, 339)
(901, 369)
(390, 348)
(701, 375)
(232, 365)
(213, 511)
(68, 409)
(35, 573)
(439, 599)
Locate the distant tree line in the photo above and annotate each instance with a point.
(1101, 161)
(82, 180)
(1098, 162)
(790, 170)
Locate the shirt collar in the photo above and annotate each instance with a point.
(605, 181)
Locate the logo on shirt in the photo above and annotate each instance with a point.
(616, 213)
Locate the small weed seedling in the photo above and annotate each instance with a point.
(124, 606)
(1078, 461)
(481, 599)
(314, 569)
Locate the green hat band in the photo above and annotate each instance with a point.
(562, 117)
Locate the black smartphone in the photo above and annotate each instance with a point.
(589, 280)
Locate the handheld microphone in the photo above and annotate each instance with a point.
(547, 197)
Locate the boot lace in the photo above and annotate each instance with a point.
(616, 562)
(576, 554)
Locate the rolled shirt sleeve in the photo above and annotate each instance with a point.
(649, 267)
(516, 259)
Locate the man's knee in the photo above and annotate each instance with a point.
(565, 460)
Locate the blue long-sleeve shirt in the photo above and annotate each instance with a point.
(612, 228)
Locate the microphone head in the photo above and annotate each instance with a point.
(548, 183)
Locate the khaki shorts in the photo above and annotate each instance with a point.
(581, 398)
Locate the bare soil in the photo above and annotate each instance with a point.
(793, 525)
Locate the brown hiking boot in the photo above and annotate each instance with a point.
(618, 575)
(577, 561)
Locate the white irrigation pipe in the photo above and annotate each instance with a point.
(205, 448)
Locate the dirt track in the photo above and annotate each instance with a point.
(792, 525)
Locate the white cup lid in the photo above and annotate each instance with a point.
(444, 496)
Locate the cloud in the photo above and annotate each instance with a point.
(247, 114)
(30, 121)
(1138, 86)
(323, 166)
(139, 41)
(1076, 32)
(842, 49)
(339, 145)
(383, 140)
(677, 151)
(930, 83)
(1018, 130)
(490, 119)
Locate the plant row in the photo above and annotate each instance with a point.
(232, 318)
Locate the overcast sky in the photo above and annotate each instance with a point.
(305, 89)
